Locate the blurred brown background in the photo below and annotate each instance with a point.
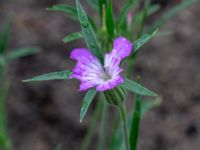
(42, 115)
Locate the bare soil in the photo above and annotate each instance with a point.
(42, 115)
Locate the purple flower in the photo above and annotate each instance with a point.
(92, 73)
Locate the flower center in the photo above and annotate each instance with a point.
(106, 76)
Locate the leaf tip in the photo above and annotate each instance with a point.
(26, 80)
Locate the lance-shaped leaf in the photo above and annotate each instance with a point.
(135, 124)
(123, 13)
(143, 40)
(22, 52)
(94, 4)
(110, 20)
(68, 9)
(60, 75)
(86, 102)
(88, 32)
(72, 37)
(153, 9)
(58, 147)
(2, 61)
(149, 104)
(172, 12)
(137, 88)
(102, 4)
(5, 35)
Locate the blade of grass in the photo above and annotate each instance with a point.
(137, 88)
(102, 3)
(143, 40)
(58, 147)
(93, 125)
(72, 37)
(22, 52)
(123, 13)
(68, 9)
(86, 102)
(5, 35)
(60, 75)
(110, 21)
(149, 104)
(94, 4)
(172, 12)
(144, 18)
(5, 142)
(137, 45)
(153, 9)
(103, 126)
(134, 131)
(88, 32)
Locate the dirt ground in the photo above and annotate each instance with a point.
(42, 115)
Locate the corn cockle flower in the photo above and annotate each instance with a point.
(92, 73)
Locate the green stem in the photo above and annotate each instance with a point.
(103, 125)
(92, 127)
(122, 110)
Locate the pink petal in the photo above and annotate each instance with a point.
(110, 84)
(122, 47)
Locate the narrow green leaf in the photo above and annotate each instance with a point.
(60, 75)
(172, 12)
(22, 52)
(72, 37)
(5, 35)
(86, 102)
(102, 3)
(149, 104)
(144, 18)
(136, 117)
(5, 142)
(2, 61)
(68, 9)
(164, 33)
(71, 11)
(110, 20)
(153, 9)
(93, 125)
(123, 13)
(58, 147)
(88, 32)
(94, 4)
(143, 40)
(137, 88)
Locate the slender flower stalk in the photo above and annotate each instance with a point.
(123, 113)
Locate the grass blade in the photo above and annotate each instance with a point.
(153, 9)
(137, 88)
(92, 126)
(149, 104)
(169, 14)
(102, 5)
(94, 4)
(60, 75)
(72, 37)
(143, 40)
(88, 32)
(136, 117)
(86, 102)
(58, 147)
(5, 35)
(68, 9)
(22, 52)
(110, 21)
(123, 14)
